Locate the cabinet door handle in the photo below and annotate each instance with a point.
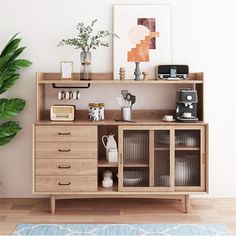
(64, 183)
(68, 133)
(120, 158)
(63, 150)
(63, 167)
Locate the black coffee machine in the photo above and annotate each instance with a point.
(186, 105)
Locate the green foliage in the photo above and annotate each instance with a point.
(8, 130)
(9, 108)
(86, 40)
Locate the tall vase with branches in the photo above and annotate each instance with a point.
(87, 40)
(9, 74)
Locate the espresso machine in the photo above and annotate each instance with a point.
(186, 105)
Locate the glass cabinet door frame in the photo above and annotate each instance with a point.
(203, 159)
(151, 130)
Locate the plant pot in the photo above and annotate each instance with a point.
(85, 67)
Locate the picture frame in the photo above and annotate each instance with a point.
(156, 19)
(66, 68)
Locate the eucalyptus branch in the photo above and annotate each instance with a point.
(86, 39)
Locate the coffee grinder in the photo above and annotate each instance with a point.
(186, 105)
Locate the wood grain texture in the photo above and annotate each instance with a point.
(105, 78)
(66, 133)
(158, 211)
(66, 167)
(66, 150)
(58, 184)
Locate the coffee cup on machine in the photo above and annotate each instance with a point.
(187, 114)
(168, 118)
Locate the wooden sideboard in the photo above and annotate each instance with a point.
(69, 159)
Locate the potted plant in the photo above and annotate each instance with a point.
(87, 40)
(9, 108)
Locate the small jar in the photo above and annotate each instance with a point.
(101, 111)
(94, 111)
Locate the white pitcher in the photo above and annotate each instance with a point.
(111, 143)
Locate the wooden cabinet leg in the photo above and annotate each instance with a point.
(52, 203)
(186, 203)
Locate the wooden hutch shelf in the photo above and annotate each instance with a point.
(104, 163)
(107, 78)
(69, 158)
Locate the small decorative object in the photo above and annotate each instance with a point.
(68, 94)
(62, 113)
(87, 40)
(60, 95)
(66, 69)
(113, 155)
(107, 179)
(111, 144)
(76, 95)
(122, 73)
(145, 76)
(96, 111)
(145, 36)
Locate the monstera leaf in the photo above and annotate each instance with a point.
(9, 64)
(10, 108)
(8, 130)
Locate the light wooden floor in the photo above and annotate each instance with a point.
(14, 211)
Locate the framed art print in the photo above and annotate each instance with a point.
(145, 37)
(66, 69)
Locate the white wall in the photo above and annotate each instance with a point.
(204, 36)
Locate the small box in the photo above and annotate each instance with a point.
(62, 113)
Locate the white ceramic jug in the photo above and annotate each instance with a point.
(111, 143)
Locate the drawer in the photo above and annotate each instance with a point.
(65, 133)
(81, 167)
(66, 150)
(52, 184)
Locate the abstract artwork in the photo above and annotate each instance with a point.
(145, 39)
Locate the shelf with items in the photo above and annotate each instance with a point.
(102, 162)
(101, 172)
(107, 78)
(135, 164)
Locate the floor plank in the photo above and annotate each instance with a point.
(202, 211)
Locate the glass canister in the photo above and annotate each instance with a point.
(101, 111)
(96, 111)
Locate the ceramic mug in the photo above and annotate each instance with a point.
(187, 114)
(168, 117)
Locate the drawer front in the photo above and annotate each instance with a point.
(66, 150)
(66, 167)
(52, 184)
(66, 133)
